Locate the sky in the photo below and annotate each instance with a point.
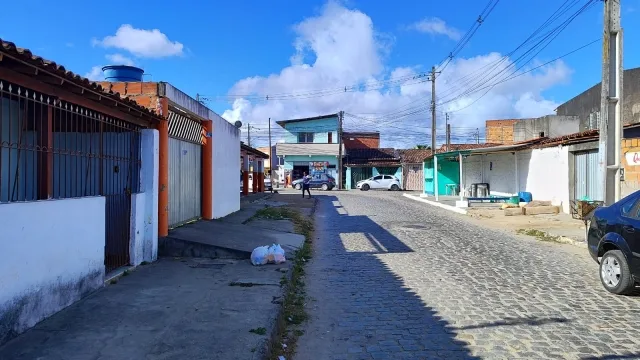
(252, 61)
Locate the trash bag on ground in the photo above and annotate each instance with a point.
(276, 254)
(273, 254)
(259, 255)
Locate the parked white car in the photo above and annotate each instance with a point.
(387, 182)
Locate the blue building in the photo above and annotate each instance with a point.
(310, 145)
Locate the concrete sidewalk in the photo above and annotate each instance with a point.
(177, 308)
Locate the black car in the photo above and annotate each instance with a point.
(318, 181)
(614, 242)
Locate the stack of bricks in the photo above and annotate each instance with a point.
(144, 93)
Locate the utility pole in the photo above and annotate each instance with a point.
(448, 140)
(478, 136)
(248, 134)
(610, 127)
(433, 108)
(270, 157)
(340, 118)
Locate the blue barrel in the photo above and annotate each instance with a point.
(525, 196)
(122, 73)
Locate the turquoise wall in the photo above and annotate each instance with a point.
(348, 179)
(321, 129)
(448, 173)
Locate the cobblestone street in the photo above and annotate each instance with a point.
(395, 279)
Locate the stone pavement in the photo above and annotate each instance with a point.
(397, 279)
(176, 308)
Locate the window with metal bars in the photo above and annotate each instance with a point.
(50, 149)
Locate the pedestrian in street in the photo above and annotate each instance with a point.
(306, 180)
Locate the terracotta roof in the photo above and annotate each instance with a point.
(567, 139)
(373, 154)
(253, 151)
(453, 147)
(25, 55)
(414, 156)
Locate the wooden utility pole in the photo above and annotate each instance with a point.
(610, 126)
(340, 119)
(270, 157)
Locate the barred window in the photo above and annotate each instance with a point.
(51, 149)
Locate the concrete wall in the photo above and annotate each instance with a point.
(551, 125)
(545, 174)
(587, 104)
(631, 181)
(320, 127)
(226, 167)
(52, 255)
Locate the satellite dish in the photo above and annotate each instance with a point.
(238, 124)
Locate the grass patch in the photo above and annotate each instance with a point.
(538, 234)
(126, 273)
(259, 331)
(293, 304)
(113, 281)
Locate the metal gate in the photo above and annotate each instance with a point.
(185, 170)
(360, 173)
(586, 176)
(413, 177)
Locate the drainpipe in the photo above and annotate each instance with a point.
(461, 184)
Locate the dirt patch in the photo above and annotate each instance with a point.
(554, 225)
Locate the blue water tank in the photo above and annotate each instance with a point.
(122, 73)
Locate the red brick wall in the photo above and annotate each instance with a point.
(361, 142)
(144, 93)
(499, 131)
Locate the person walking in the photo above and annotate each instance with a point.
(306, 184)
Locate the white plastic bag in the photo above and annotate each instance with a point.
(259, 255)
(276, 254)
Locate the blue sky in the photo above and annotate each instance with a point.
(214, 45)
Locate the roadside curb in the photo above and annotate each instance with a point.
(437, 204)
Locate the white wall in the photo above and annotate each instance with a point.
(547, 175)
(52, 255)
(144, 205)
(226, 167)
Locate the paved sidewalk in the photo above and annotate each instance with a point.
(177, 308)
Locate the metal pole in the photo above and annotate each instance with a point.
(248, 134)
(461, 177)
(340, 116)
(610, 127)
(270, 158)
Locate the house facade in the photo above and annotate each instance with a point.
(310, 145)
(78, 187)
(362, 164)
(195, 138)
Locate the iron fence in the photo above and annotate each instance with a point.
(51, 149)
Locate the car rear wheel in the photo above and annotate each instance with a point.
(325, 187)
(298, 186)
(615, 274)
(395, 187)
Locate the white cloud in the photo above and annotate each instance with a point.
(141, 42)
(95, 74)
(119, 59)
(339, 47)
(436, 26)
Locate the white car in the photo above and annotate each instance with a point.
(387, 182)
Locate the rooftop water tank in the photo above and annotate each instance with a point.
(122, 73)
